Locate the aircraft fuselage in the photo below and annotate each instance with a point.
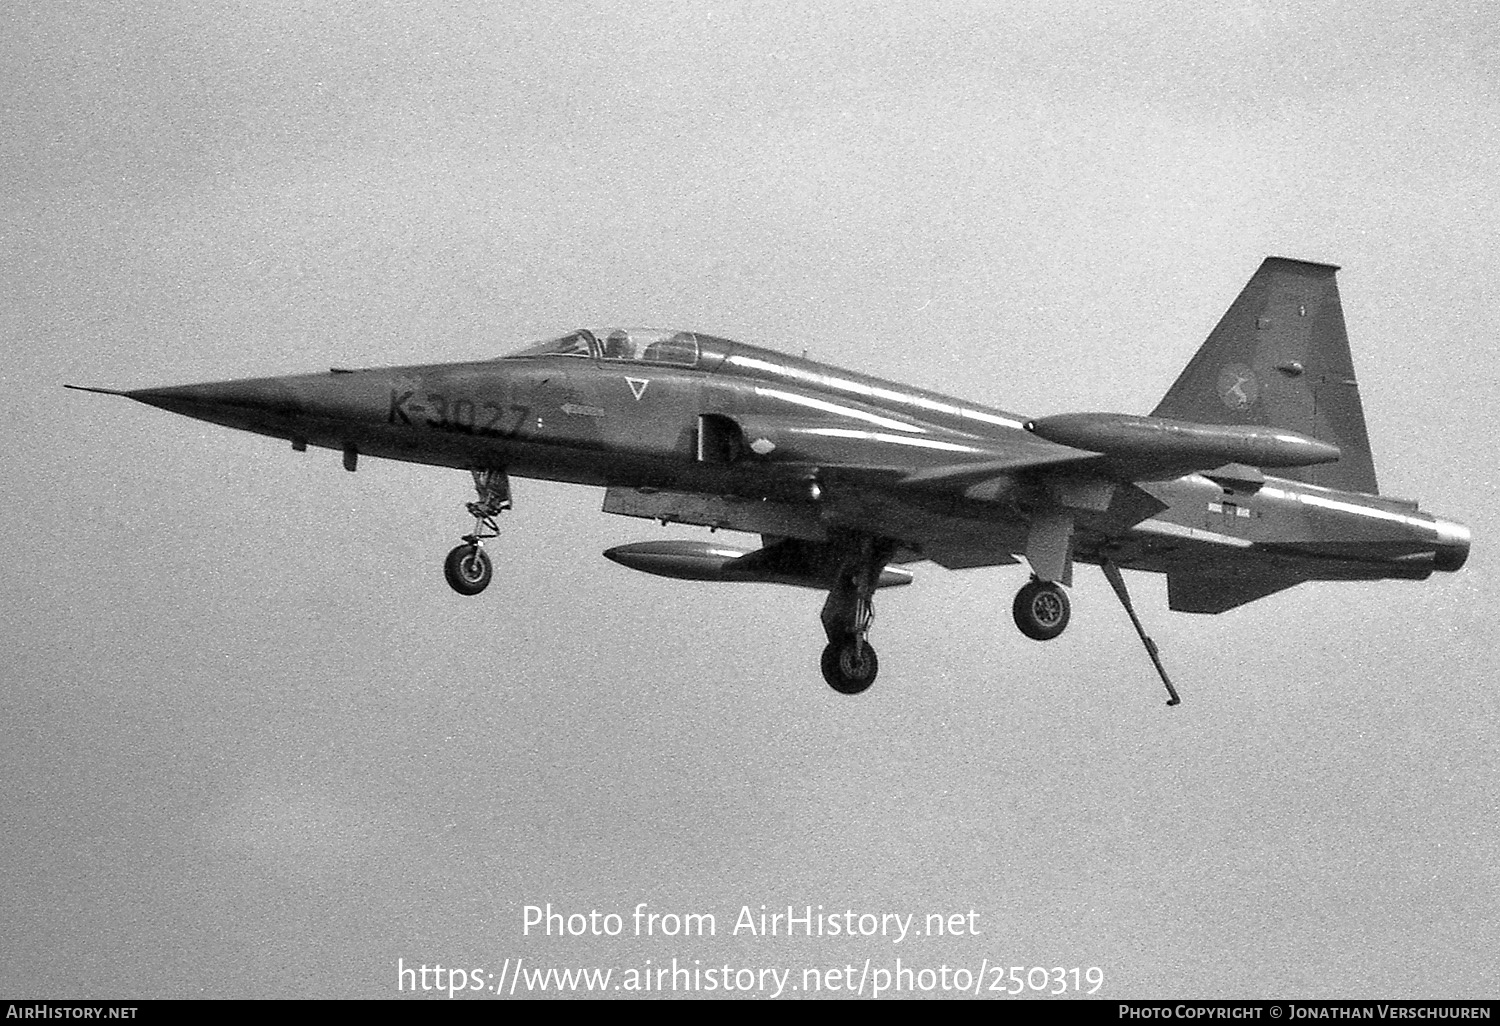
(1253, 474)
(618, 424)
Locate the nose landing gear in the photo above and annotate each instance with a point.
(468, 567)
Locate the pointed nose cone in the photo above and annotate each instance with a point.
(212, 400)
(303, 407)
(264, 405)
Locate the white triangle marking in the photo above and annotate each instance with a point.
(638, 386)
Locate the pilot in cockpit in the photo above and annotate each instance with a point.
(617, 345)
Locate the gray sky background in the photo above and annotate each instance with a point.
(254, 746)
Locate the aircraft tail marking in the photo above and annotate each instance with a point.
(1280, 358)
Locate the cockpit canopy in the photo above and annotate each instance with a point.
(641, 345)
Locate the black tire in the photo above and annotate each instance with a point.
(1041, 610)
(850, 666)
(468, 569)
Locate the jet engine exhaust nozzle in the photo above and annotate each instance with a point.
(1452, 545)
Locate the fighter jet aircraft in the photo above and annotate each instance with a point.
(1252, 475)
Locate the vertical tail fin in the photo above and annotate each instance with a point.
(1280, 358)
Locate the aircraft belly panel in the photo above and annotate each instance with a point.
(961, 554)
(952, 535)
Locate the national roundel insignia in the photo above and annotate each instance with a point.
(1238, 388)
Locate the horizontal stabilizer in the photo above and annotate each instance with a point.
(1202, 593)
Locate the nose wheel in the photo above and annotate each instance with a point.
(468, 567)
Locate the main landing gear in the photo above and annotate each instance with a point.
(468, 566)
(1041, 610)
(849, 662)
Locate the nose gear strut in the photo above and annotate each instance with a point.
(468, 566)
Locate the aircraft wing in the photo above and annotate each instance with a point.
(1066, 484)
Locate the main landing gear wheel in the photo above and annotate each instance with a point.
(468, 569)
(1041, 610)
(850, 666)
